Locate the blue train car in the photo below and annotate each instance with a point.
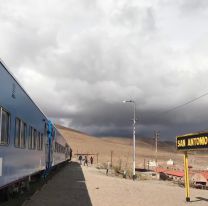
(29, 143)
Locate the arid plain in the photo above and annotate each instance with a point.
(109, 190)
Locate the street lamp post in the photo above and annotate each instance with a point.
(134, 124)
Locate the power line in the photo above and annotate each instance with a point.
(184, 104)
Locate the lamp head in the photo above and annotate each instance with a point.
(126, 101)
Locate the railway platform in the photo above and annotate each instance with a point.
(67, 187)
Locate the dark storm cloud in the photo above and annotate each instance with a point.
(79, 60)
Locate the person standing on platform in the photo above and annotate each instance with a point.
(108, 167)
(86, 161)
(91, 160)
(80, 159)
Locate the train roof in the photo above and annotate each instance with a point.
(12, 75)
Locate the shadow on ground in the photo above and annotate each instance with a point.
(67, 187)
(202, 199)
(78, 193)
(198, 199)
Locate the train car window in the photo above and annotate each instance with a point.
(55, 146)
(20, 133)
(23, 134)
(38, 141)
(17, 133)
(34, 138)
(45, 133)
(41, 141)
(59, 148)
(5, 125)
(53, 133)
(30, 138)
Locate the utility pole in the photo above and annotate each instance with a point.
(157, 136)
(134, 131)
(97, 158)
(134, 150)
(144, 164)
(111, 158)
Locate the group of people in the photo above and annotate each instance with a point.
(85, 160)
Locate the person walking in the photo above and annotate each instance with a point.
(91, 160)
(86, 161)
(80, 159)
(108, 167)
(70, 154)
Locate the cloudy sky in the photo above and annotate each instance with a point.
(78, 59)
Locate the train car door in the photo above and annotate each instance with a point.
(49, 146)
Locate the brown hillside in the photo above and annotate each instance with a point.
(121, 148)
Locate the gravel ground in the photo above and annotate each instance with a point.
(106, 191)
(77, 185)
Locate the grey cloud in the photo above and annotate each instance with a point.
(194, 5)
(135, 17)
(103, 118)
(79, 60)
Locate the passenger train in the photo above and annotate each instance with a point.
(29, 142)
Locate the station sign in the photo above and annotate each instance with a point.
(195, 141)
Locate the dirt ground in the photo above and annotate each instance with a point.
(76, 185)
(105, 191)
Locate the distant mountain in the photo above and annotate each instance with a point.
(69, 129)
(140, 142)
(163, 145)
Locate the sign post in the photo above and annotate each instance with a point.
(190, 142)
(186, 177)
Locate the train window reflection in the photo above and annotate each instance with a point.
(30, 138)
(40, 141)
(34, 138)
(4, 124)
(20, 133)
